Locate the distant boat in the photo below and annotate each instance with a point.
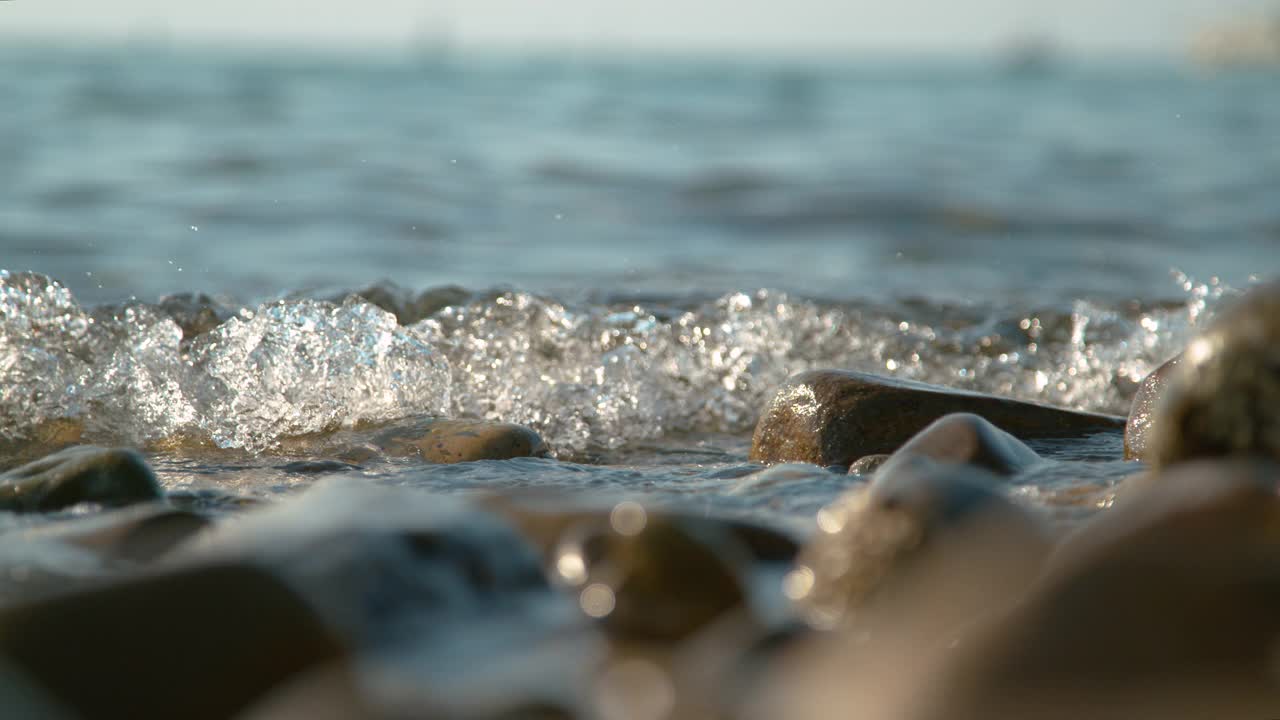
(1249, 42)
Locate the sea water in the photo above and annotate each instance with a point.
(627, 254)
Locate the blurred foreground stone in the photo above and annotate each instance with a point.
(1223, 398)
(652, 579)
(1165, 607)
(882, 551)
(197, 642)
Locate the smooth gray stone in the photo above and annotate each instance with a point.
(112, 477)
(967, 439)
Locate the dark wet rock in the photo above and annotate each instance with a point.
(887, 554)
(832, 417)
(968, 440)
(317, 467)
(1138, 429)
(1164, 606)
(1223, 399)
(440, 440)
(868, 464)
(200, 642)
(370, 557)
(138, 534)
(431, 300)
(651, 579)
(407, 307)
(196, 314)
(76, 475)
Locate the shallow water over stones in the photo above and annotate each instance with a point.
(304, 440)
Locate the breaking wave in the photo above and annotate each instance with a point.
(599, 375)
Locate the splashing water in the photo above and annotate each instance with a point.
(287, 368)
(599, 376)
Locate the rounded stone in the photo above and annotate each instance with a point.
(651, 579)
(452, 441)
(113, 477)
(885, 553)
(968, 439)
(1163, 606)
(1224, 397)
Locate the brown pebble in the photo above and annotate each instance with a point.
(834, 417)
(451, 441)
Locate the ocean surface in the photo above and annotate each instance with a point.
(627, 254)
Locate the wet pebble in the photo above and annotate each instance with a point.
(1223, 399)
(317, 467)
(652, 579)
(83, 474)
(450, 441)
(196, 314)
(832, 417)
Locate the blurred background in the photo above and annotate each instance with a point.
(1028, 151)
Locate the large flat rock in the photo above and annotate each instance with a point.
(834, 417)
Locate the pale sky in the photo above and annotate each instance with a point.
(823, 26)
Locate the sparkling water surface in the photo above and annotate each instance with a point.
(627, 254)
